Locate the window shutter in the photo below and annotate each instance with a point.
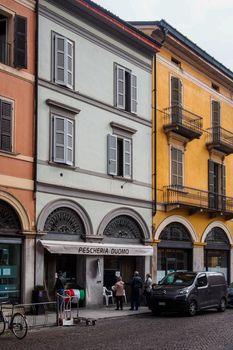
(20, 42)
(223, 173)
(120, 87)
(60, 60)
(211, 184)
(59, 139)
(5, 126)
(216, 121)
(133, 93)
(127, 158)
(176, 100)
(69, 143)
(69, 63)
(112, 155)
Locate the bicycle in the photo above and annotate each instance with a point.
(15, 321)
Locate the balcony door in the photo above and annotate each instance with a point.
(217, 185)
(176, 100)
(216, 121)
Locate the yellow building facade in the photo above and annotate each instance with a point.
(193, 157)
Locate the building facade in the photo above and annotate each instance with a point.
(17, 89)
(94, 127)
(192, 227)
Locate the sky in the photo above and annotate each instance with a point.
(208, 23)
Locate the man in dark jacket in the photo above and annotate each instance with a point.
(136, 286)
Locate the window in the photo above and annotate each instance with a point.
(215, 87)
(63, 140)
(217, 185)
(63, 65)
(176, 167)
(13, 40)
(126, 89)
(176, 100)
(119, 156)
(176, 61)
(5, 126)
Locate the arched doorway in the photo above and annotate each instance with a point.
(11, 240)
(64, 224)
(217, 252)
(122, 229)
(174, 250)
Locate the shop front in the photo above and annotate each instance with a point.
(174, 250)
(11, 241)
(217, 252)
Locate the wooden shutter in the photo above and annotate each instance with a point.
(60, 60)
(5, 126)
(20, 42)
(69, 131)
(133, 93)
(69, 63)
(127, 158)
(216, 121)
(120, 87)
(176, 100)
(59, 139)
(223, 187)
(211, 184)
(112, 155)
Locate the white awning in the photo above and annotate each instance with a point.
(85, 248)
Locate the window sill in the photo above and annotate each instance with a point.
(121, 178)
(62, 165)
(8, 153)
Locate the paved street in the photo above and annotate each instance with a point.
(209, 330)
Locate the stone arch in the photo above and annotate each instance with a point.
(19, 209)
(52, 206)
(125, 212)
(179, 219)
(213, 225)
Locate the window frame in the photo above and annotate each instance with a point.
(67, 41)
(182, 163)
(131, 90)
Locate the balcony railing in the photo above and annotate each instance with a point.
(220, 139)
(182, 122)
(5, 49)
(198, 200)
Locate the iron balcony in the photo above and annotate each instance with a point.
(220, 139)
(182, 122)
(196, 200)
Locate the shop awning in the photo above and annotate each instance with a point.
(86, 248)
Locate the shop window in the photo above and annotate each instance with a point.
(13, 40)
(126, 89)
(63, 61)
(119, 156)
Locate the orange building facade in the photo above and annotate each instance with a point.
(17, 89)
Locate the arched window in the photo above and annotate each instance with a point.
(217, 238)
(64, 220)
(175, 232)
(123, 226)
(9, 220)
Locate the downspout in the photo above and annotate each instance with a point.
(35, 128)
(154, 131)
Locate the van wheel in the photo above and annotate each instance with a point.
(192, 308)
(222, 305)
(156, 312)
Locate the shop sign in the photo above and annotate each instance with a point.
(65, 247)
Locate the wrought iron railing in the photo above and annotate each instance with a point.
(219, 135)
(195, 198)
(5, 49)
(177, 115)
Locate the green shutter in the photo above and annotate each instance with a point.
(20, 42)
(176, 100)
(212, 195)
(6, 126)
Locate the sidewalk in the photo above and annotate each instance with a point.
(110, 312)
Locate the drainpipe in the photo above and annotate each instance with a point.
(154, 130)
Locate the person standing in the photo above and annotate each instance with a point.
(147, 286)
(136, 286)
(119, 289)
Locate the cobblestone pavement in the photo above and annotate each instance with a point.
(209, 330)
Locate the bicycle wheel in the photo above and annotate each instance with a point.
(2, 324)
(19, 325)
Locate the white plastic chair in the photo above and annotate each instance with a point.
(107, 294)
